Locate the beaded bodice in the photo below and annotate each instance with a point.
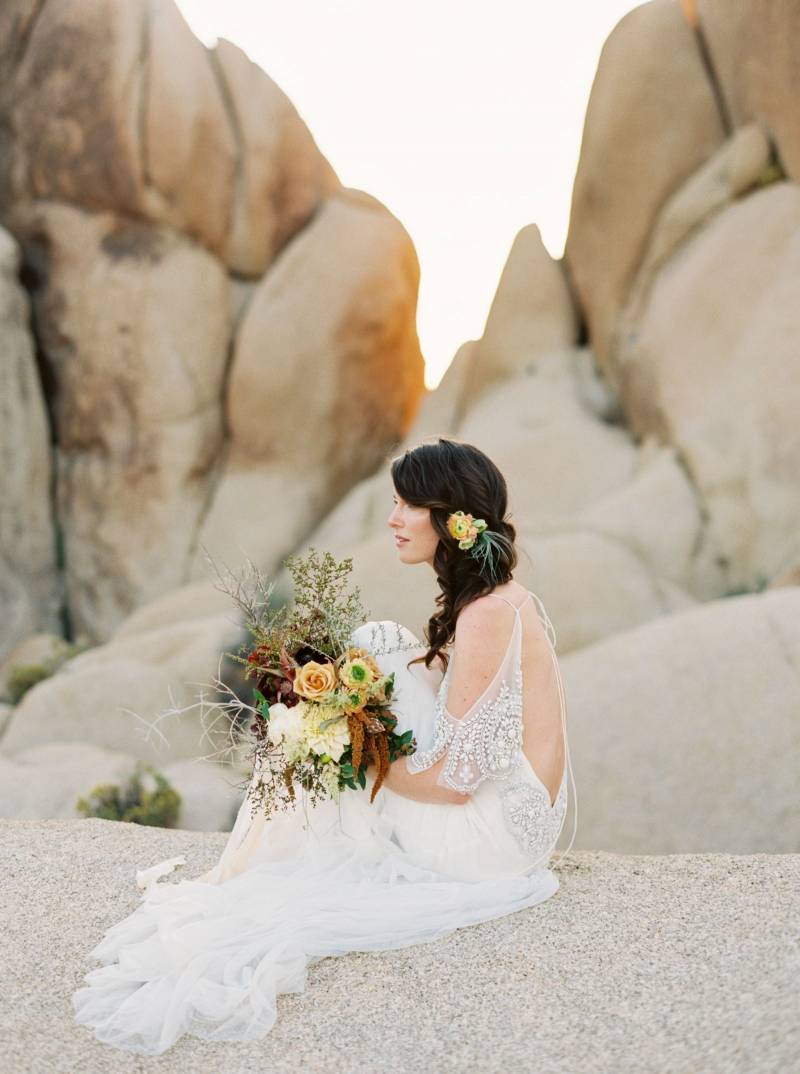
(485, 744)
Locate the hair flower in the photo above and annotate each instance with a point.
(473, 534)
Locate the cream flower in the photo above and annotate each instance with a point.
(327, 731)
(285, 725)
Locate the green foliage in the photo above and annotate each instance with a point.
(156, 804)
(772, 173)
(320, 619)
(22, 677)
(759, 585)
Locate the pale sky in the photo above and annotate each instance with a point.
(463, 117)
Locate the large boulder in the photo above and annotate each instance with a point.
(659, 517)
(313, 402)
(684, 732)
(651, 121)
(120, 107)
(149, 694)
(29, 586)
(593, 584)
(556, 457)
(134, 326)
(720, 381)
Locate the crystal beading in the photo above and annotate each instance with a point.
(488, 744)
(529, 816)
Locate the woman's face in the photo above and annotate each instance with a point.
(414, 525)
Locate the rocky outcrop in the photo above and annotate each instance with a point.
(133, 323)
(658, 959)
(46, 781)
(716, 381)
(651, 121)
(324, 379)
(156, 126)
(203, 288)
(684, 731)
(687, 162)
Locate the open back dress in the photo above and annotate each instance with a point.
(209, 956)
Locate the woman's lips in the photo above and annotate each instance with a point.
(400, 540)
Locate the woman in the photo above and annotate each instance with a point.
(460, 832)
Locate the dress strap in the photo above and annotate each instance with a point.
(516, 607)
(550, 630)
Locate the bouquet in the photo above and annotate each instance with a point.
(321, 708)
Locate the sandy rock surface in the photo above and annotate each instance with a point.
(636, 964)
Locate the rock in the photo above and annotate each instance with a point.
(120, 704)
(186, 649)
(442, 409)
(753, 46)
(29, 589)
(684, 731)
(188, 142)
(531, 315)
(198, 600)
(156, 126)
(556, 458)
(593, 585)
(729, 173)
(358, 358)
(689, 939)
(720, 382)
(651, 121)
(791, 576)
(46, 781)
(660, 517)
(282, 177)
(134, 327)
(210, 794)
(73, 131)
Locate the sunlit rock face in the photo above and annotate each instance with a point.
(225, 334)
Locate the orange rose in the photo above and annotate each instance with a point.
(314, 680)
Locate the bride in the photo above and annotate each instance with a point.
(460, 832)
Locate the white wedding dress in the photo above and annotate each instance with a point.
(209, 956)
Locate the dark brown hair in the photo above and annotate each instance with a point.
(449, 476)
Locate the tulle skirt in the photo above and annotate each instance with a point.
(210, 956)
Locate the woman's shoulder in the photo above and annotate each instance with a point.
(490, 606)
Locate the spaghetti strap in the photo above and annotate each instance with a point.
(551, 637)
(516, 607)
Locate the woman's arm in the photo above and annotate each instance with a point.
(421, 786)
